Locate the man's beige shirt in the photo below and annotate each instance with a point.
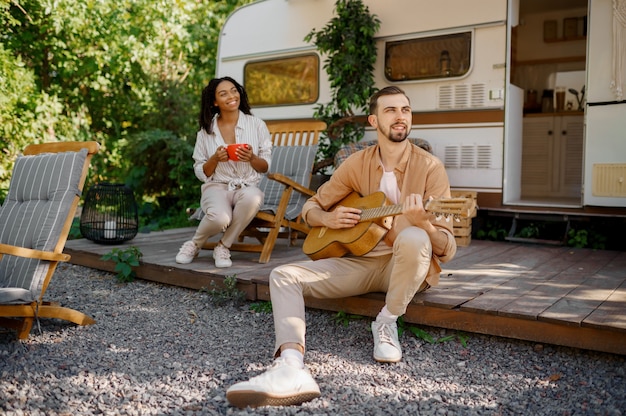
(419, 172)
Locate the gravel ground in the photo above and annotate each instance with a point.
(161, 350)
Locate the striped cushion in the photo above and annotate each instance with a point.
(295, 162)
(41, 193)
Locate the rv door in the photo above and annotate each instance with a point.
(513, 116)
(605, 146)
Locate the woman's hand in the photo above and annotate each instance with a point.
(245, 153)
(221, 155)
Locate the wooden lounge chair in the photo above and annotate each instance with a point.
(35, 220)
(286, 188)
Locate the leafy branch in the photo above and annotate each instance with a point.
(348, 42)
(124, 260)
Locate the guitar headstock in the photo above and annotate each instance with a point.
(447, 208)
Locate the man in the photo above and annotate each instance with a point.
(405, 262)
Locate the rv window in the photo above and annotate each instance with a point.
(428, 58)
(282, 81)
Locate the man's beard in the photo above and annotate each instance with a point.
(396, 137)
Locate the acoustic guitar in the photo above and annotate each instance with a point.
(375, 221)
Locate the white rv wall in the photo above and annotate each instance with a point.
(275, 28)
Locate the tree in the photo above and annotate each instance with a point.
(350, 48)
(115, 71)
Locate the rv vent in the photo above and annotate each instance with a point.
(483, 156)
(609, 179)
(445, 96)
(478, 95)
(462, 95)
(468, 157)
(452, 157)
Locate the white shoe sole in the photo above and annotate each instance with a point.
(251, 398)
(387, 359)
(223, 265)
(185, 261)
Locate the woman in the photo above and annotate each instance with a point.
(230, 196)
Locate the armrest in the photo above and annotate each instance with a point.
(32, 254)
(285, 180)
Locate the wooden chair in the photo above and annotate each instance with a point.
(35, 220)
(286, 188)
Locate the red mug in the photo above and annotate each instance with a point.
(232, 150)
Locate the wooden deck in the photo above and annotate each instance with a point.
(556, 295)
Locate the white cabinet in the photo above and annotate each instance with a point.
(552, 156)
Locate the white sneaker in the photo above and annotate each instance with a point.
(187, 252)
(222, 256)
(281, 385)
(386, 345)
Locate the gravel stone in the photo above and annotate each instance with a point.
(166, 350)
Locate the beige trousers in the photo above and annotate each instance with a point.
(400, 275)
(227, 211)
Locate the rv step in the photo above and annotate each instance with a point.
(543, 218)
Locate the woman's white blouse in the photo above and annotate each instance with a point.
(251, 130)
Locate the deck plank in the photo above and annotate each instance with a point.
(612, 312)
(573, 307)
(550, 290)
(466, 277)
(520, 271)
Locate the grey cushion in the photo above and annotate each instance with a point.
(295, 162)
(41, 192)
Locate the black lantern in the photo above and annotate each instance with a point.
(109, 214)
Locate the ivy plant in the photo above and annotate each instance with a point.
(348, 42)
(125, 260)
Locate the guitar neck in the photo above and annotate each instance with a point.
(446, 207)
(371, 214)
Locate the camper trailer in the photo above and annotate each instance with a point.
(519, 98)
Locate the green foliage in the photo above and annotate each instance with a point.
(577, 238)
(261, 307)
(426, 336)
(228, 293)
(348, 42)
(75, 230)
(344, 318)
(27, 115)
(492, 230)
(531, 230)
(159, 164)
(586, 238)
(110, 71)
(125, 260)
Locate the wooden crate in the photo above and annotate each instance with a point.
(463, 241)
(463, 236)
(461, 231)
(466, 194)
(463, 228)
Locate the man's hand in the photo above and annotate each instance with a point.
(342, 217)
(413, 210)
(413, 214)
